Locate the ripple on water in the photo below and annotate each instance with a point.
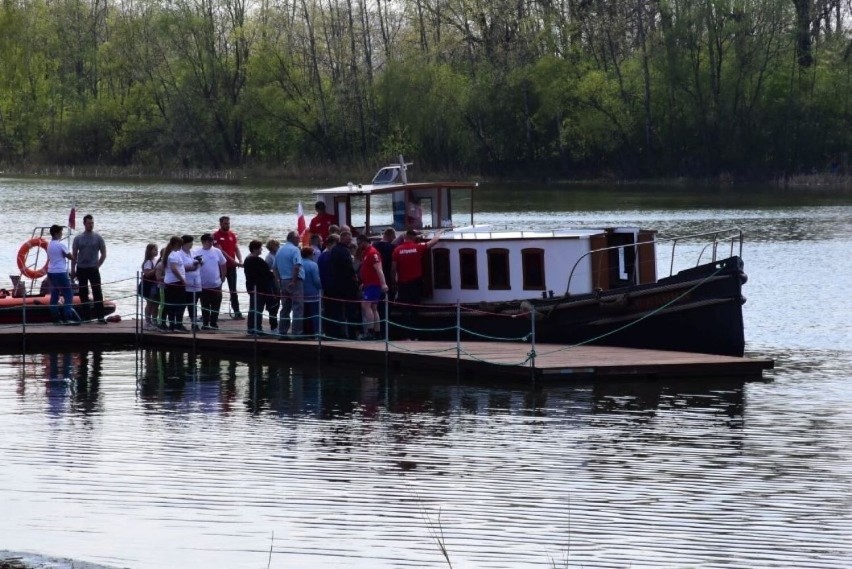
(355, 471)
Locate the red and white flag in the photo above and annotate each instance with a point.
(300, 220)
(72, 217)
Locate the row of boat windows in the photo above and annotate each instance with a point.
(499, 275)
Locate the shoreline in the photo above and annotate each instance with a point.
(335, 173)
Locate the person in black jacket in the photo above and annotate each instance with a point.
(259, 283)
(344, 310)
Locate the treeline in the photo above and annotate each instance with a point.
(553, 88)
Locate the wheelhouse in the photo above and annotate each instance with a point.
(473, 263)
(370, 209)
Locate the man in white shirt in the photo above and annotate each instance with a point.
(214, 268)
(57, 273)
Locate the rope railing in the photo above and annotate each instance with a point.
(324, 324)
(636, 321)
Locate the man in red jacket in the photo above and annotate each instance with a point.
(373, 285)
(408, 270)
(226, 240)
(321, 222)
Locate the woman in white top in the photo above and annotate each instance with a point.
(57, 273)
(175, 284)
(193, 279)
(149, 284)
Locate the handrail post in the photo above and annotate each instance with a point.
(458, 332)
(387, 330)
(532, 343)
(23, 319)
(715, 245)
(387, 322)
(23, 310)
(319, 324)
(139, 288)
(190, 314)
(253, 319)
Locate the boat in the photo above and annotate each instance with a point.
(566, 286)
(28, 299)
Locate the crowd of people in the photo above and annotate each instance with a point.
(330, 283)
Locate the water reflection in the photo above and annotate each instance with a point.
(192, 460)
(210, 383)
(70, 380)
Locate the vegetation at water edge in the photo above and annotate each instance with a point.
(546, 88)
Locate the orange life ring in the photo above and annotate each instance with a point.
(22, 258)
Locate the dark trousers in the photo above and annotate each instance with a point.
(332, 310)
(342, 316)
(86, 275)
(176, 301)
(408, 295)
(352, 310)
(192, 305)
(258, 302)
(211, 301)
(231, 277)
(312, 317)
(273, 305)
(60, 285)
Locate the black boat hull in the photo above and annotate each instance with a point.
(696, 310)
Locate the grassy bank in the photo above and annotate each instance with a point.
(340, 173)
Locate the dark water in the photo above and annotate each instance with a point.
(181, 460)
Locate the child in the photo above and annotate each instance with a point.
(150, 290)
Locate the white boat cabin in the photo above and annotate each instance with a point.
(473, 263)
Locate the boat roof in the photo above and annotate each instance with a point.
(376, 189)
(487, 232)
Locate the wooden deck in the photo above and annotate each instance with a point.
(496, 359)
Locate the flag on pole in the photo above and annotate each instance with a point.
(72, 217)
(300, 220)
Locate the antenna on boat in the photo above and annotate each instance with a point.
(403, 169)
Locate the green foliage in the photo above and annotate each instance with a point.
(636, 88)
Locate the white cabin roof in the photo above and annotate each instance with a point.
(374, 189)
(486, 232)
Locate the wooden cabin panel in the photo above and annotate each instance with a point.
(600, 262)
(647, 257)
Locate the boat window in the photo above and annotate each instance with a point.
(358, 212)
(467, 269)
(387, 175)
(460, 208)
(426, 221)
(498, 269)
(441, 268)
(532, 261)
(381, 213)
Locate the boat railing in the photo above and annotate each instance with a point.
(734, 235)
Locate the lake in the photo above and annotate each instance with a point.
(171, 459)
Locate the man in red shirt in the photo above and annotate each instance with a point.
(321, 222)
(408, 270)
(373, 284)
(226, 240)
(408, 266)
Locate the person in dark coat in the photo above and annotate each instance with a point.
(345, 310)
(259, 279)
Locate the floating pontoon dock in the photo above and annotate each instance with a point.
(486, 359)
